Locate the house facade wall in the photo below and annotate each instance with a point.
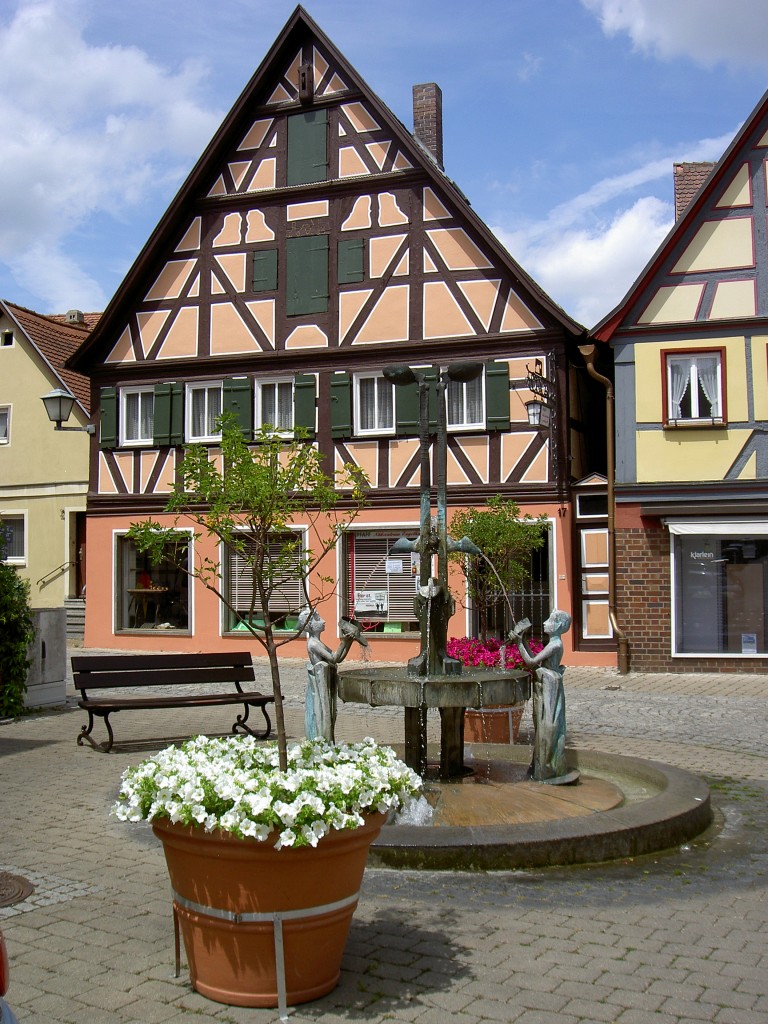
(314, 245)
(691, 374)
(43, 473)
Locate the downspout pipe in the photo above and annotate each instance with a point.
(589, 352)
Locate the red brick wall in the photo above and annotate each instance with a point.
(643, 604)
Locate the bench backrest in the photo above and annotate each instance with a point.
(108, 670)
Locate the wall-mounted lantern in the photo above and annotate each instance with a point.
(58, 405)
(540, 407)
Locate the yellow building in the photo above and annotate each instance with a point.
(690, 342)
(43, 471)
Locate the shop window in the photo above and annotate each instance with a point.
(203, 412)
(283, 584)
(137, 416)
(5, 424)
(694, 387)
(152, 596)
(374, 405)
(13, 539)
(721, 593)
(465, 404)
(531, 599)
(379, 590)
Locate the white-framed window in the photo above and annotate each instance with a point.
(465, 403)
(203, 410)
(137, 415)
(274, 404)
(283, 584)
(13, 538)
(5, 424)
(149, 595)
(6, 339)
(379, 588)
(719, 588)
(694, 387)
(374, 404)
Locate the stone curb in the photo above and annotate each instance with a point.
(679, 811)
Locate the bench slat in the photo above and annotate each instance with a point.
(141, 662)
(162, 677)
(201, 700)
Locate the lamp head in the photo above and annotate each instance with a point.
(463, 372)
(398, 375)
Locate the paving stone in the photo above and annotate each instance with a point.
(672, 938)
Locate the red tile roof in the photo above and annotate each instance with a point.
(57, 339)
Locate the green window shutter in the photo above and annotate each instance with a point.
(407, 410)
(432, 373)
(350, 260)
(168, 414)
(307, 274)
(238, 400)
(307, 147)
(341, 405)
(304, 395)
(108, 418)
(497, 396)
(264, 270)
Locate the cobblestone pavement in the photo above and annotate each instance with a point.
(665, 939)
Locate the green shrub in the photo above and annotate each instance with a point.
(16, 634)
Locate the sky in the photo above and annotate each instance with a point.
(561, 121)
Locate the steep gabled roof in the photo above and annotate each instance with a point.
(298, 29)
(705, 196)
(56, 340)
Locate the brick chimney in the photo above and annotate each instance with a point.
(688, 180)
(428, 118)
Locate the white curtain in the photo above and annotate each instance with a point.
(679, 380)
(707, 367)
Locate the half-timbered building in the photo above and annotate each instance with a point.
(315, 243)
(690, 343)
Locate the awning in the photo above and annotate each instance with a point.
(719, 527)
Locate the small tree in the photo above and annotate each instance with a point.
(16, 634)
(260, 490)
(507, 541)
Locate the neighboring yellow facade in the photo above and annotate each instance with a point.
(689, 453)
(43, 472)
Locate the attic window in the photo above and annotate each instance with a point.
(6, 339)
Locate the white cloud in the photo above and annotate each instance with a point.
(707, 31)
(87, 131)
(587, 251)
(587, 270)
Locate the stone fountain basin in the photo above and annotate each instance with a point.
(393, 687)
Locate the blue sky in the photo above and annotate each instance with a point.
(562, 119)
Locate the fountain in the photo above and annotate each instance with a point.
(433, 679)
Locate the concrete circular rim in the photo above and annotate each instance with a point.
(679, 811)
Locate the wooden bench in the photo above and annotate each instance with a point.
(116, 672)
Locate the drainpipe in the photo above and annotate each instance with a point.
(588, 352)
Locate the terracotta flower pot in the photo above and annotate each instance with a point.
(498, 723)
(245, 908)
